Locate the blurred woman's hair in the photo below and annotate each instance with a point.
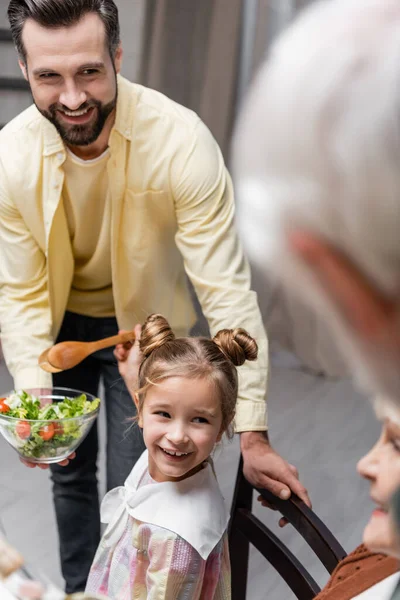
(317, 148)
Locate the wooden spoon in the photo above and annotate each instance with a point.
(66, 355)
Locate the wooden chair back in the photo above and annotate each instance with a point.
(245, 529)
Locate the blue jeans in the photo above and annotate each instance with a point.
(75, 490)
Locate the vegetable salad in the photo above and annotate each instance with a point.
(45, 430)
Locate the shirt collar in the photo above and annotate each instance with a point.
(170, 505)
(126, 103)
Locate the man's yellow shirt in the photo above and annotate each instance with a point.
(172, 215)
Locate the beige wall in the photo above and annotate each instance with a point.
(3, 15)
(132, 25)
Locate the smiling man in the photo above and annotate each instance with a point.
(76, 88)
(110, 194)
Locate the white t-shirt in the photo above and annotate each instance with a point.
(382, 590)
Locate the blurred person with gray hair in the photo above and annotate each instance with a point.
(316, 165)
(317, 172)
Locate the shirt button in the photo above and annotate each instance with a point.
(60, 156)
(55, 184)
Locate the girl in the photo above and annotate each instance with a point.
(166, 536)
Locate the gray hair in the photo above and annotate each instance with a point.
(62, 13)
(317, 149)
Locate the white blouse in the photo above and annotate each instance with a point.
(380, 591)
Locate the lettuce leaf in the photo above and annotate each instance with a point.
(25, 406)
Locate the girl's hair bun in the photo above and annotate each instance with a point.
(237, 345)
(155, 332)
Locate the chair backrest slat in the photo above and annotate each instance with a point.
(246, 528)
(280, 557)
(310, 527)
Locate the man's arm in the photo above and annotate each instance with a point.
(215, 263)
(25, 320)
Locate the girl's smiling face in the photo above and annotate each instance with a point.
(381, 466)
(181, 420)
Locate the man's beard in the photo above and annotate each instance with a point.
(80, 135)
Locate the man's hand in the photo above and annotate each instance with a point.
(129, 359)
(32, 465)
(264, 468)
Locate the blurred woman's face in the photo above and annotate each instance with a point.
(381, 466)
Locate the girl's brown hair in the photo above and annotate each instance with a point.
(165, 356)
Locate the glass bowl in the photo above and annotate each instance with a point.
(48, 441)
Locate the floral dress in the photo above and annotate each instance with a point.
(164, 541)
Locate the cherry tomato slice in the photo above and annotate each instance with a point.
(23, 429)
(4, 408)
(47, 432)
